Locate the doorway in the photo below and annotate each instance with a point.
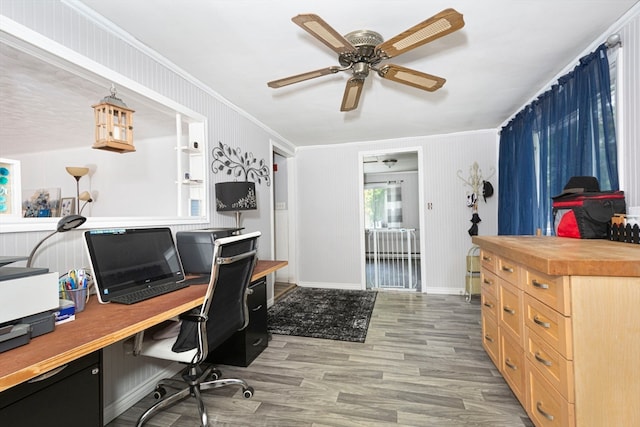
(392, 218)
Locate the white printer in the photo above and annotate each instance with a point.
(28, 299)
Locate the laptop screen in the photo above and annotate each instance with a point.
(126, 260)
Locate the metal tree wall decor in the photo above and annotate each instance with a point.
(234, 162)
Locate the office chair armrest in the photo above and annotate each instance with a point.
(194, 317)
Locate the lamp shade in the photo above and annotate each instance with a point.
(236, 196)
(77, 172)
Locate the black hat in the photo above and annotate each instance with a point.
(487, 190)
(580, 184)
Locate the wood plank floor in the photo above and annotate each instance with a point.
(422, 365)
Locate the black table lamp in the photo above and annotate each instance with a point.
(66, 223)
(235, 197)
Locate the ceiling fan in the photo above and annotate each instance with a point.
(363, 50)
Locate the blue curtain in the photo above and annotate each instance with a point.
(517, 198)
(568, 131)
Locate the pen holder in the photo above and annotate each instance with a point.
(78, 296)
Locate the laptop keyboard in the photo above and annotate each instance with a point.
(146, 293)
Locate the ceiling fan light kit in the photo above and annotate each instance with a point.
(362, 50)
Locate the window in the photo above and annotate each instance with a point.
(375, 206)
(383, 205)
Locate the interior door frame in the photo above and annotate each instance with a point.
(421, 214)
(292, 266)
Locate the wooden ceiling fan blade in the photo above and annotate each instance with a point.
(319, 29)
(352, 93)
(302, 77)
(411, 77)
(439, 25)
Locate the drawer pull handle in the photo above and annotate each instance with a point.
(510, 365)
(507, 269)
(539, 285)
(509, 310)
(257, 308)
(541, 323)
(488, 338)
(486, 258)
(539, 358)
(488, 304)
(488, 282)
(47, 375)
(544, 414)
(257, 342)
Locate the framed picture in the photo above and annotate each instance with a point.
(67, 206)
(43, 202)
(10, 191)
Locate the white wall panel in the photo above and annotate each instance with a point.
(328, 217)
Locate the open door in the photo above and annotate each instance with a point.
(391, 220)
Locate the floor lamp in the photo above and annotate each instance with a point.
(77, 173)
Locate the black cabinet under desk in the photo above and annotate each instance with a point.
(245, 345)
(69, 396)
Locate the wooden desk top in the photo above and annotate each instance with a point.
(100, 325)
(563, 256)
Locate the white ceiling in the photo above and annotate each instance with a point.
(507, 51)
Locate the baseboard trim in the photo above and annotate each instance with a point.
(349, 286)
(357, 286)
(444, 291)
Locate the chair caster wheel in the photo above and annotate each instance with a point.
(216, 374)
(159, 393)
(247, 393)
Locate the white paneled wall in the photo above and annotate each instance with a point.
(329, 223)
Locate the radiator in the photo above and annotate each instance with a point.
(393, 258)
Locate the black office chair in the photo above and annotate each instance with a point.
(223, 312)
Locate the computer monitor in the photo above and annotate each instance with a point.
(125, 260)
(196, 248)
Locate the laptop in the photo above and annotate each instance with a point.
(131, 265)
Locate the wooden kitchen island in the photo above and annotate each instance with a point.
(561, 321)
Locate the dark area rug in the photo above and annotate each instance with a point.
(333, 314)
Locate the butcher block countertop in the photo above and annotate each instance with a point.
(564, 256)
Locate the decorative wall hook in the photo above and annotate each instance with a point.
(239, 165)
(475, 180)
